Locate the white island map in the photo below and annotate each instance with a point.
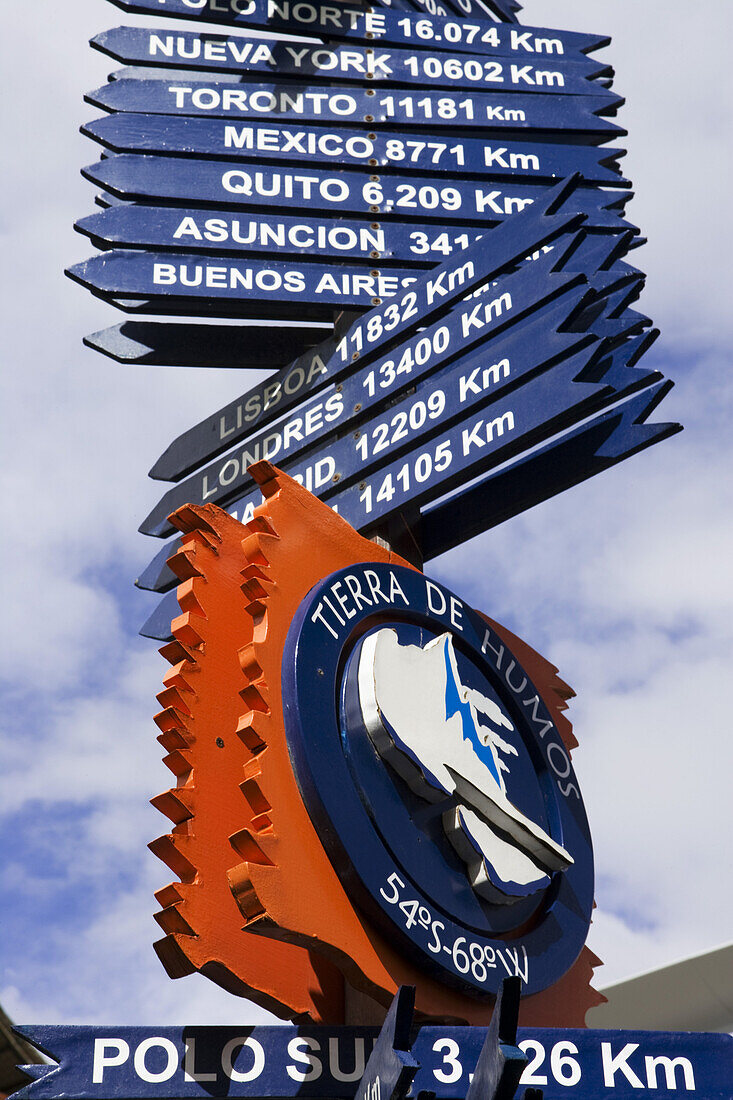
(449, 741)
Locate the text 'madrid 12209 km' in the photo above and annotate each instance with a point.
(409, 214)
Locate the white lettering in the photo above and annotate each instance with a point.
(102, 1059)
(170, 1067)
(306, 1057)
(612, 1065)
(189, 1064)
(258, 1059)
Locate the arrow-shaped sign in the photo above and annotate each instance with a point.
(373, 25)
(453, 333)
(333, 61)
(498, 365)
(337, 192)
(250, 286)
(550, 404)
(164, 227)
(547, 404)
(190, 1062)
(436, 398)
(504, 10)
(218, 346)
(185, 345)
(434, 153)
(603, 441)
(220, 230)
(364, 107)
(449, 339)
(454, 394)
(373, 335)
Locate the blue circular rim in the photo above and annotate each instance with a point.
(313, 669)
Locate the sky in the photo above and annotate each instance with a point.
(623, 582)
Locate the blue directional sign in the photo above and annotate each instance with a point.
(158, 624)
(554, 401)
(450, 441)
(504, 10)
(603, 441)
(336, 192)
(157, 576)
(275, 1063)
(320, 469)
(168, 344)
(220, 230)
(525, 479)
(481, 326)
(450, 335)
(468, 383)
(569, 113)
(370, 25)
(533, 229)
(426, 152)
(280, 58)
(308, 289)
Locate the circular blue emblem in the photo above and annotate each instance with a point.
(437, 781)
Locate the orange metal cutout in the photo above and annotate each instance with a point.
(259, 909)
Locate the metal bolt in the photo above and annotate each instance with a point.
(375, 255)
(357, 408)
(335, 478)
(355, 356)
(376, 301)
(362, 486)
(220, 743)
(372, 137)
(320, 671)
(373, 162)
(374, 225)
